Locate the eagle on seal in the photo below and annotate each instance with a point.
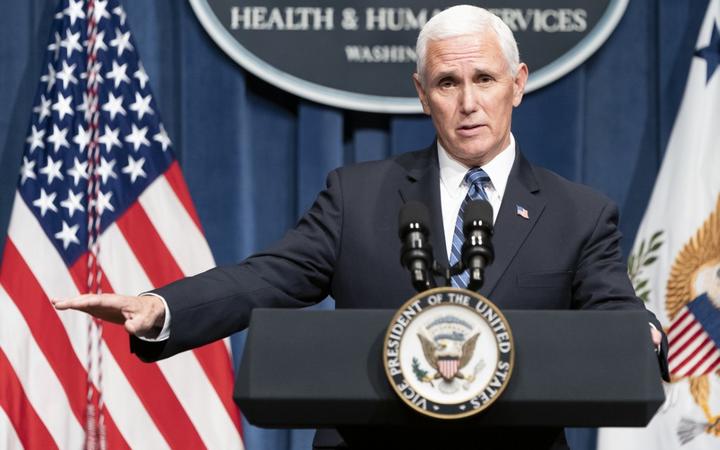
(448, 355)
(693, 306)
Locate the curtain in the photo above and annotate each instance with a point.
(255, 156)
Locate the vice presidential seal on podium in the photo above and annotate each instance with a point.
(448, 352)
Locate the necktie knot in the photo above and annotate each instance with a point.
(476, 177)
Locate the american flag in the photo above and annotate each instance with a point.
(522, 212)
(101, 205)
(694, 339)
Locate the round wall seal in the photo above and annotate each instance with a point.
(448, 353)
(360, 54)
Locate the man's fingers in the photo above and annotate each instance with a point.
(88, 301)
(139, 315)
(110, 307)
(133, 325)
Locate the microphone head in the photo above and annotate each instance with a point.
(478, 213)
(415, 215)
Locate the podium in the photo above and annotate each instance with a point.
(323, 369)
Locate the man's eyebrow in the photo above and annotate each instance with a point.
(441, 75)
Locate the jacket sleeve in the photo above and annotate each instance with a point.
(601, 280)
(294, 272)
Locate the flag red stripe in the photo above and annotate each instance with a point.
(691, 355)
(50, 335)
(160, 267)
(145, 242)
(708, 353)
(675, 351)
(28, 426)
(678, 320)
(147, 381)
(176, 180)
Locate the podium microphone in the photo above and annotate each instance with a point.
(477, 250)
(416, 254)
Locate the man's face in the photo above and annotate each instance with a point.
(469, 91)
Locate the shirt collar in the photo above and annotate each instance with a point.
(452, 172)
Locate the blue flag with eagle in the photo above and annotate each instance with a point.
(675, 263)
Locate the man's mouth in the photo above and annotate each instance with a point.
(469, 129)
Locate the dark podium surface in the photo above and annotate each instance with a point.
(323, 369)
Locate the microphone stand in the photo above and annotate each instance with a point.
(447, 272)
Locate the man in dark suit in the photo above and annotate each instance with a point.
(556, 242)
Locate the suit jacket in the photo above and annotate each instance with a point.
(565, 255)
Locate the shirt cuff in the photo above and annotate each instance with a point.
(165, 331)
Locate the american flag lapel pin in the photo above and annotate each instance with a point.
(522, 212)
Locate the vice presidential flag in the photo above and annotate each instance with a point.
(675, 264)
(100, 206)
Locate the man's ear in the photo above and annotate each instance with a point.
(421, 93)
(519, 84)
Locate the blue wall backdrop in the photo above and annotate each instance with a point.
(254, 156)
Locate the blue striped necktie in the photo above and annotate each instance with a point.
(476, 178)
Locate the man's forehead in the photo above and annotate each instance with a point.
(485, 38)
(478, 50)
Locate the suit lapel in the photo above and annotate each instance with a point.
(511, 229)
(423, 185)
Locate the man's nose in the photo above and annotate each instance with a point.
(470, 99)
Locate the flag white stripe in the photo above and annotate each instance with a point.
(9, 439)
(176, 228)
(183, 372)
(120, 264)
(28, 361)
(52, 275)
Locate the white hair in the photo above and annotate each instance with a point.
(463, 20)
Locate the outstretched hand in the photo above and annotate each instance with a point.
(142, 316)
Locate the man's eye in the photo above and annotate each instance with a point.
(485, 79)
(446, 84)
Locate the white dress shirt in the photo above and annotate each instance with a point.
(453, 188)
